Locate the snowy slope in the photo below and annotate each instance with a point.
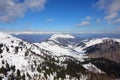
(54, 37)
(87, 43)
(52, 45)
(92, 68)
(43, 61)
(62, 39)
(27, 61)
(20, 54)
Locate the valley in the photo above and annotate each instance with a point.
(59, 58)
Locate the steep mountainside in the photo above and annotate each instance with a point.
(109, 48)
(21, 60)
(60, 44)
(50, 60)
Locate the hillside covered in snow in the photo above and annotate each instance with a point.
(57, 58)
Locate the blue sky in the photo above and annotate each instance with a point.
(60, 15)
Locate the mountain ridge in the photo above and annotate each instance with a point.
(27, 61)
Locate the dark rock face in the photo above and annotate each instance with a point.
(109, 49)
(108, 66)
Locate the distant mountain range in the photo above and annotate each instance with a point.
(42, 36)
(60, 57)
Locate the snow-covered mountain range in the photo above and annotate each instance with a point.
(58, 58)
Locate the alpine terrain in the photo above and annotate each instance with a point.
(59, 58)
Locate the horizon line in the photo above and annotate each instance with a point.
(47, 32)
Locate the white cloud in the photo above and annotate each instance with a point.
(117, 20)
(109, 6)
(111, 9)
(84, 23)
(49, 19)
(98, 20)
(118, 27)
(88, 18)
(13, 9)
(111, 16)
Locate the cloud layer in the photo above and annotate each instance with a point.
(10, 10)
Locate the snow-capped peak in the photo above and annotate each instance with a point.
(87, 43)
(55, 36)
(94, 41)
(98, 40)
(6, 38)
(6, 35)
(3, 35)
